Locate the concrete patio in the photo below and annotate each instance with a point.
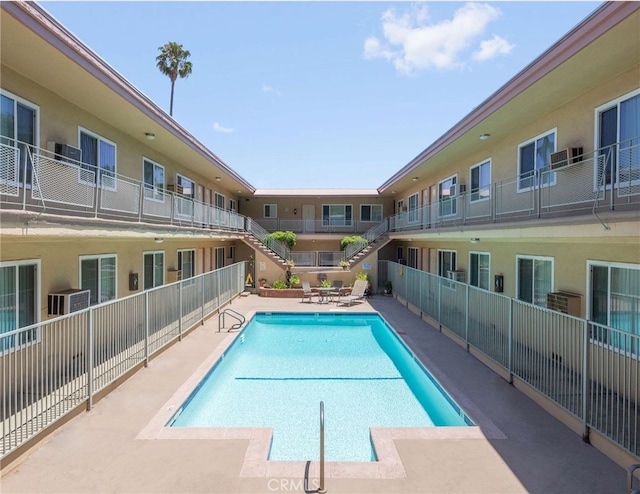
(517, 446)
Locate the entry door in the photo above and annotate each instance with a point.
(309, 218)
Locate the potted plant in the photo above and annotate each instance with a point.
(326, 284)
(294, 280)
(262, 282)
(344, 265)
(387, 288)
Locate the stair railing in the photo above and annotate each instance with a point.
(272, 244)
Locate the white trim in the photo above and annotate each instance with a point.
(164, 264)
(193, 182)
(451, 197)
(372, 206)
(272, 208)
(533, 140)
(38, 287)
(539, 258)
(163, 190)
(478, 253)
(99, 257)
(470, 188)
(608, 264)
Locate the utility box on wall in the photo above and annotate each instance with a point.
(133, 282)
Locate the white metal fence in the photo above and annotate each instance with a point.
(590, 370)
(49, 369)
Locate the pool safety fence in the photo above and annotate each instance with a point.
(590, 370)
(48, 370)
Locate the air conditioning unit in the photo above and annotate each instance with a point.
(64, 152)
(175, 188)
(458, 275)
(68, 301)
(564, 157)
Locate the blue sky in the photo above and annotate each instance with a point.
(321, 94)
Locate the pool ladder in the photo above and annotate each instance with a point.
(320, 489)
(235, 315)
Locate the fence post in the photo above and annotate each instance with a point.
(510, 342)
(146, 328)
(90, 345)
(466, 316)
(180, 311)
(585, 380)
(202, 305)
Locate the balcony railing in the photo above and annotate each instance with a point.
(315, 226)
(34, 179)
(584, 185)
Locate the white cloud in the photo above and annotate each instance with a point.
(269, 89)
(491, 48)
(219, 128)
(412, 43)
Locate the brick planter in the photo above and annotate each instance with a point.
(281, 293)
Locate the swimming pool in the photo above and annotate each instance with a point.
(282, 365)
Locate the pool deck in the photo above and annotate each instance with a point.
(118, 447)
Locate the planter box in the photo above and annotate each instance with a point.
(281, 293)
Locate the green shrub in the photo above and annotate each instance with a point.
(293, 280)
(350, 240)
(279, 285)
(288, 238)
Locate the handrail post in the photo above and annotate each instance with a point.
(321, 488)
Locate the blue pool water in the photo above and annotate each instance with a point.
(281, 366)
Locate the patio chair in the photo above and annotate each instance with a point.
(356, 295)
(336, 289)
(306, 291)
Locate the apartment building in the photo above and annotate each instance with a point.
(535, 194)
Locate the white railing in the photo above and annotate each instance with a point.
(49, 369)
(590, 370)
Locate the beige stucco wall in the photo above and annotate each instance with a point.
(60, 258)
(60, 121)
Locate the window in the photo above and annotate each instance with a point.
(400, 205)
(219, 257)
(336, 214)
(480, 181)
(98, 274)
(188, 186)
(233, 205)
(153, 176)
(98, 158)
(270, 211)
(615, 299)
(187, 263)
(619, 123)
(400, 255)
(413, 208)
(533, 156)
(446, 262)
(447, 197)
(153, 269)
(18, 128)
(534, 279)
(412, 257)
(232, 252)
(218, 200)
(19, 301)
(479, 269)
(371, 212)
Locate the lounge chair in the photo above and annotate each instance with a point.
(336, 289)
(356, 295)
(306, 291)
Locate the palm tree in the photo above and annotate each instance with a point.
(172, 62)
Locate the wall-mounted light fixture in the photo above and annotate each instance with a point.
(484, 137)
(218, 179)
(149, 135)
(295, 210)
(475, 240)
(415, 179)
(158, 240)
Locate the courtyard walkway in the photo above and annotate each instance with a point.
(518, 447)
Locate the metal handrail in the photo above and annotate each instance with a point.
(630, 471)
(236, 315)
(321, 488)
